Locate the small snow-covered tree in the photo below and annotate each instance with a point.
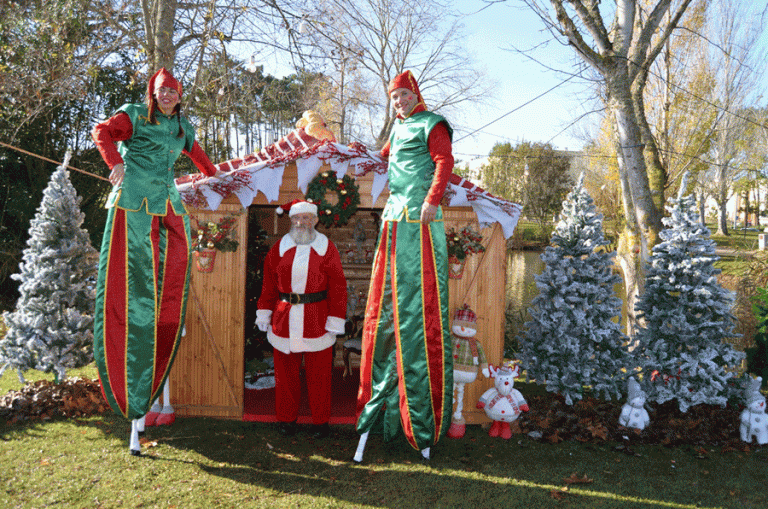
(686, 315)
(575, 338)
(51, 328)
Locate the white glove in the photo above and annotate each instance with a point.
(262, 325)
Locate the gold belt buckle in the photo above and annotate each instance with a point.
(294, 299)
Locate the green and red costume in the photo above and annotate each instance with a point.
(406, 366)
(145, 253)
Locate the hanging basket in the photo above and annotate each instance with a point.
(455, 267)
(205, 259)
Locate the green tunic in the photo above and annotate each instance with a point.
(149, 156)
(406, 372)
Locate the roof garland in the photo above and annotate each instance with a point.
(263, 172)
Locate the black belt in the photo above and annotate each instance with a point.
(303, 298)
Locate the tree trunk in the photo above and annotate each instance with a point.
(165, 51)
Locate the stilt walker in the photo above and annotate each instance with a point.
(406, 366)
(145, 253)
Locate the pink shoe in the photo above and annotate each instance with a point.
(457, 430)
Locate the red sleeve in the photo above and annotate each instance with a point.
(200, 158)
(108, 133)
(439, 143)
(384, 152)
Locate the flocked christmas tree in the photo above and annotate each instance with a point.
(51, 327)
(685, 315)
(575, 338)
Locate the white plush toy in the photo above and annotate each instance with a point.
(633, 413)
(754, 421)
(502, 403)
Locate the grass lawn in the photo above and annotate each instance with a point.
(206, 463)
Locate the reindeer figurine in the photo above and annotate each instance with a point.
(502, 403)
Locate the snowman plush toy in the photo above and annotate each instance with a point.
(754, 421)
(468, 360)
(633, 413)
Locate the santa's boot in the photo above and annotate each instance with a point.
(457, 429)
(506, 432)
(495, 429)
(358, 457)
(167, 415)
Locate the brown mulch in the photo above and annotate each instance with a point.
(593, 420)
(549, 418)
(44, 400)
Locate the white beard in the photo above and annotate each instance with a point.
(302, 235)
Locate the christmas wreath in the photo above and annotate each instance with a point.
(347, 193)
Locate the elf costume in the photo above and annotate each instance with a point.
(406, 367)
(145, 253)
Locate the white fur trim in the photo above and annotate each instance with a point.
(300, 344)
(320, 245)
(335, 324)
(302, 207)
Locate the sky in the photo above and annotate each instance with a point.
(522, 96)
(530, 101)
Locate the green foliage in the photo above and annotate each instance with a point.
(757, 355)
(532, 174)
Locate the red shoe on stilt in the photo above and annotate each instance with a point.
(457, 430)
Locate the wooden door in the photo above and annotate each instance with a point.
(207, 376)
(482, 287)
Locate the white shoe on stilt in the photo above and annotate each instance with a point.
(358, 457)
(135, 446)
(425, 453)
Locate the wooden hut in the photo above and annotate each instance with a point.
(207, 378)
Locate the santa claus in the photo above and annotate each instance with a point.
(302, 308)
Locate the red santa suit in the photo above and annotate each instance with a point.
(308, 330)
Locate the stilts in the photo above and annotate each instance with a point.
(137, 428)
(358, 457)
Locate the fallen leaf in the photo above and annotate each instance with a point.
(575, 479)
(557, 494)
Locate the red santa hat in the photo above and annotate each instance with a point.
(407, 80)
(297, 207)
(465, 317)
(163, 78)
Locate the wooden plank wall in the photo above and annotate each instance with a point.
(482, 288)
(207, 376)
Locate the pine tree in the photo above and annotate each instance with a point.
(575, 338)
(685, 315)
(51, 328)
